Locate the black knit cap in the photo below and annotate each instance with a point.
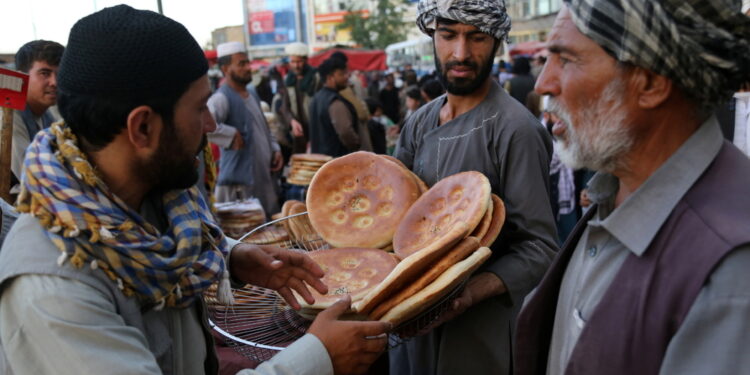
(121, 52)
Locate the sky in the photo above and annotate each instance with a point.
(24, 20)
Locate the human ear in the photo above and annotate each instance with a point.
(143, 128)
(650, 89)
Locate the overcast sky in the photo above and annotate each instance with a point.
(25, 20)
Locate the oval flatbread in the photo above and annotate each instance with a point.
(359, 199)
(352, 271)
(462, 250)
(422, 186)
(431, 294)
(484, 225)
(498, 219)
(462, 197)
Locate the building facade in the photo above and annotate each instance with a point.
(531, 19)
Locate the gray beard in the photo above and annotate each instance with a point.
(601, 138)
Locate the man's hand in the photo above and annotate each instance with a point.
(479, 287)
(237, 142)
(352, 345)
(278, 269)
(297, 129)
(278, 161)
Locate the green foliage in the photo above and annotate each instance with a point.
(385, 24)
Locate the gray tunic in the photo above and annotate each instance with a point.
(612, 234)
(501, 139)
(263, 145)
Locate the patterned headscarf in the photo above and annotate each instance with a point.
(89, 224)
(703, 46)
(489, 16)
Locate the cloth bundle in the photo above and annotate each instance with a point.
(702, 46)
(89, 224)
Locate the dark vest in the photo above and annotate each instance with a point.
(630, 329)
(323, 136)
(236, 166)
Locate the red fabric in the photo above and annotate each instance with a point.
(363, 60)
(526, 48)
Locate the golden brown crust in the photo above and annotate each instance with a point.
(395, 160)
(484, 225)
(285, 212)
(358, 200)
(462, 250)
(268, 235)
(352, 271)
(462, 197)
(410, 268)
(422, 186)
(436, 290)
(316, 158)
(498, 219)
(300, 226)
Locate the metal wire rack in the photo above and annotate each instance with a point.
(260, 323)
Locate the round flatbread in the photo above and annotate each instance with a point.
(352, 271)
(462, 197)
(318, 158)
(358, 200)
(433, 292)
(422, 186)
(268, 235)
(484, 225)
(498, 219)
(299, 226)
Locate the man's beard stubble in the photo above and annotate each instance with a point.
(602, 138)
(241, 80)
(172, 167)
(463, 86)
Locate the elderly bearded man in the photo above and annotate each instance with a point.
(105, 272)
(478, 126)
(654, 280)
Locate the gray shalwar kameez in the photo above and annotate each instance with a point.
(501, 139)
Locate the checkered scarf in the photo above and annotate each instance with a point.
(89, 224)
(703, 46)
(489, 16)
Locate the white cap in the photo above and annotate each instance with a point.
(230, 48)
(296, 49)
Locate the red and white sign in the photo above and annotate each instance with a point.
(261, 22)
(13, 88)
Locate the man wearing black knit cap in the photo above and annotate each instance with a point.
(105, 270)
(654, 279)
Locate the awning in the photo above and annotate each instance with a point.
(363, 60)
(529, 48)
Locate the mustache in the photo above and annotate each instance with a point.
(554, 107)
(468, 64)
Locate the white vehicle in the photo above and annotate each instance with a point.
(417, 52)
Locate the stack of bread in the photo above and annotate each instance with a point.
(298, 226)
(441, 241)
(363, 204)
(275, 235)
(238, 218)
(304, 167)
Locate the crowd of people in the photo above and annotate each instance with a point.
(113, 241)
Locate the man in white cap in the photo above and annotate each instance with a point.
(250, 153)
(301, 83)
